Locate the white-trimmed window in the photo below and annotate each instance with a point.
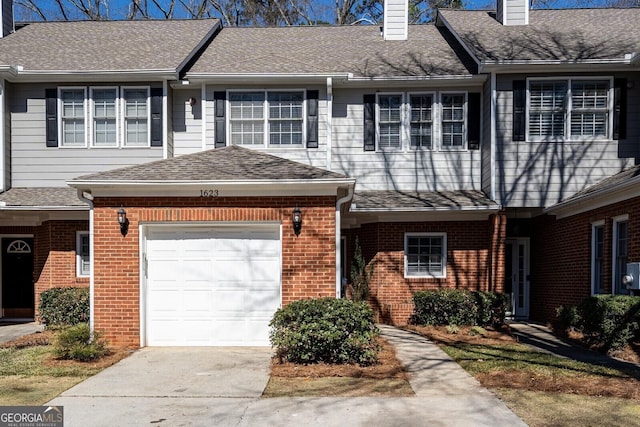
(83, 262)
(136, 111)
(425, 255)
(72, 117)
(569, 109)
(104, 116)
(597, 257)
(413, 121)
(620, 252)
(267, 118)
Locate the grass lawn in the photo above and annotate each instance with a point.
(30, 374)
(544, 390)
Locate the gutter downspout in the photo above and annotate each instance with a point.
(339, 204)
(493, 138)
(329, 121)
(88, 198)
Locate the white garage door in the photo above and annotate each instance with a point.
(212, 286)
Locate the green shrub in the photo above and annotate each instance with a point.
(64, 306)
(459, 307)
(75, 343)
(568, 316)
(453, 329)
(477, 331)
(610, 320)
(360, 275)
(325, 330)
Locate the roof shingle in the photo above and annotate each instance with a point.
(223, 164)
(373, 200)
(104, 45)
(42, 197)
(359, 50)
(558, 35)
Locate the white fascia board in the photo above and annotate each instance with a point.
(253, 78)
(523, 66)
(317, 187)
(448, 77)
(597, 199)
(496, 208)
(440, 18)
(43, 208)
(93, 75)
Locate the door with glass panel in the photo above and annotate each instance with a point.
(517, 283)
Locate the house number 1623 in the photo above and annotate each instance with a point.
(208, 193)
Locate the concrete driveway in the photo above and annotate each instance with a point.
(222, 387)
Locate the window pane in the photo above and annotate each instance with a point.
(83, 255)
(73, 125)
(589, 108)
(104, 117)
(425, 255)
(598, 259)
(389, 108)
(621, 248)
(136, 117)
(547, 108)
(246, 122)
(421, 120)
(453, 121)
(285, 118)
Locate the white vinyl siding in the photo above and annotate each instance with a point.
(453, 121)
(620, 252)
(72, 117)
(83, 263)
(136, 112)
(597, 258)
(104, 117)
(425, 255)
(267, 118)
(569, 109)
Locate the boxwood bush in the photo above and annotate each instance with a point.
(458, 307)
(64, 306)
(610, 321)
(76, 343)
(328, 330)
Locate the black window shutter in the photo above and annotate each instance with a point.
(156, 116)
(369, 103)
(519, 109)
(620, 109)
(312, 119)
(51, 107)
(221, 134)
(473, 121)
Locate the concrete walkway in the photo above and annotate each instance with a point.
(11, 330)
(209, 386)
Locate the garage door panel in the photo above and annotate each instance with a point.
(212, 286)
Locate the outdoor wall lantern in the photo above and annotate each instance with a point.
(123, 221)
(296, 219)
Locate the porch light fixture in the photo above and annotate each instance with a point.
(296, 219)
(123, 221)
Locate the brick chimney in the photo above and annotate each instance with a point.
(6, 18)
(513, 12)
(396, 19)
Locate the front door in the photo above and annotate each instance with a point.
(17, 277)
(517, 277)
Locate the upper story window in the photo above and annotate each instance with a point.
(101, 117)
(422, 121)
(72, 117)
(569, 109)
(272, 118)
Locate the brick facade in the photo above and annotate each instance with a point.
(561, 256)
(308, 260)
(475, 261)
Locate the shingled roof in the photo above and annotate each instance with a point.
(551, 35)
(42, 197)
(425, 200)
(104, 45)
(231, 163)
(358, 50)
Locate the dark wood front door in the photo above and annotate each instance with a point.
(17, 277)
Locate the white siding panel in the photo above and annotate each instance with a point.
(187, 122)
